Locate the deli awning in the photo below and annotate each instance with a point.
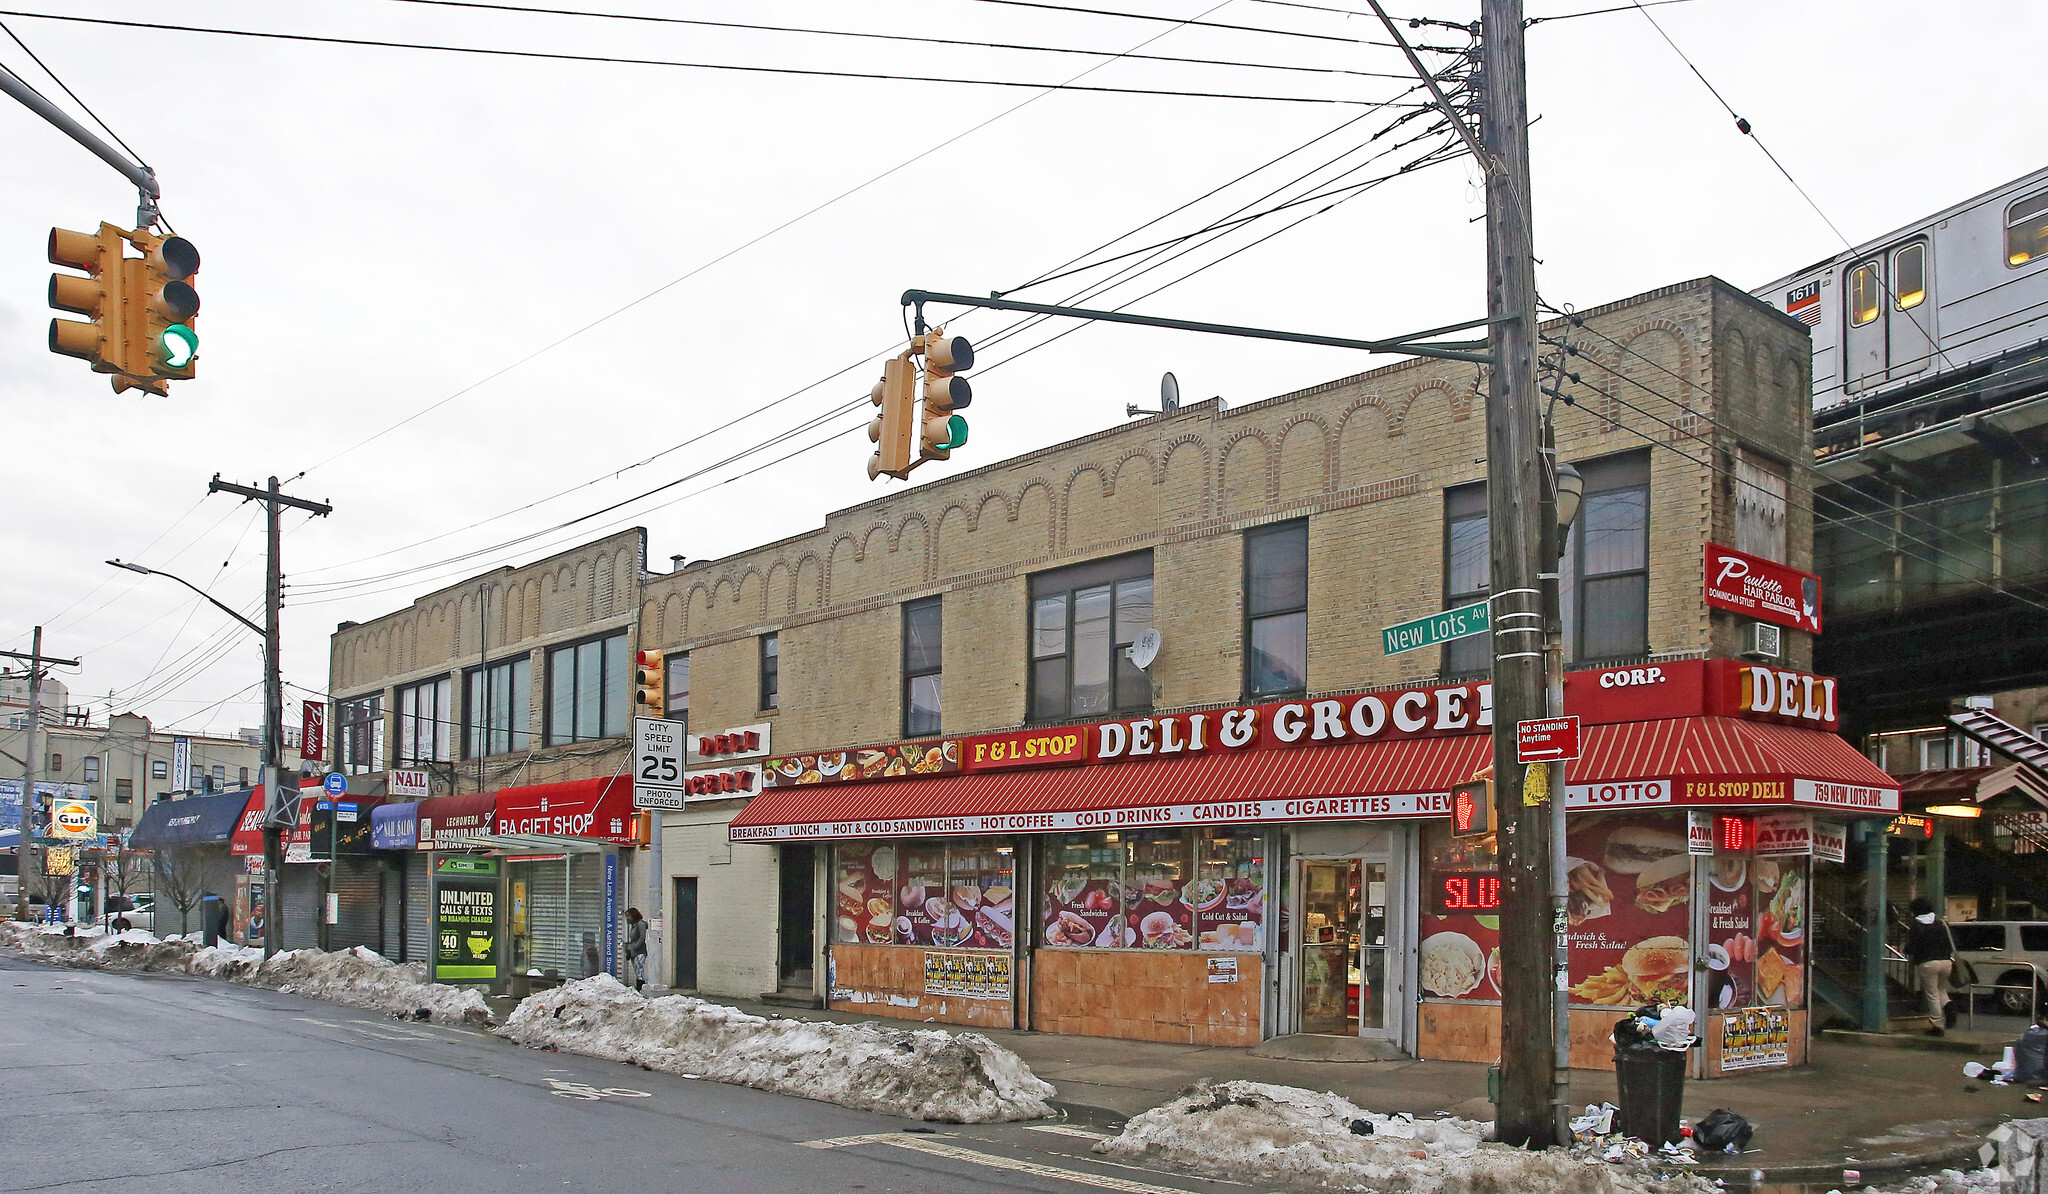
(1695, 761)
(193, 821)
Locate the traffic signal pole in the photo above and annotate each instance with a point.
(144, 178)
(27, 861)
(280, 813)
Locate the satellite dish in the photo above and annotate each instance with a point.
(1169, 399)
(1146, 649)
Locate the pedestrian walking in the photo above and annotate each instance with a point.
(1932, 954)
(636, 947)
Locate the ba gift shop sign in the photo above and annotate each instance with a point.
(1759, 588)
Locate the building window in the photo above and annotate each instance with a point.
(360, 745)
(1876, 752)
(56, 764)
(1468, 571)
(498, 714)
(771, 671)
(159, 769)
(1276, 609)
(426, 722)
(2041, 730)
(244, 781)
(124, 791)
(2026, 229)
(1909, 277)
(922, 664)
(1863, 300)
(1606, 579)
(1934, 754)
(1760, 492)
(677, 670)
(588, 690)
(1201, 889)
(92, 769)
(1082, 618)
(220, 776)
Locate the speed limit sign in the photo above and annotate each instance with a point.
(658, 747)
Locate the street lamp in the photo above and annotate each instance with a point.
(1571, 490)
(195, 588)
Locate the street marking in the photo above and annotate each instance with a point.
(933, 1146)
(1064, 1130)
(586, 1092)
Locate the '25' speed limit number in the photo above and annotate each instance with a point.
(658, 747)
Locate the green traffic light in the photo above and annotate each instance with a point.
(956, 429)
(180, 344)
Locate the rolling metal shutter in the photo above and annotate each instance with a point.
(391, 906)
(547, 915)
(359, 893)
(586, 910)
(419, 906)
(301, 905)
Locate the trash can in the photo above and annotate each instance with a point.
(1652, 1083)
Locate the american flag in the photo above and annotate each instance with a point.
(1803, 304)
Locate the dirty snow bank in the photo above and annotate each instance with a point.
(359, 977)
(1284, 1133)
(1948, 1181)
(915, 1073)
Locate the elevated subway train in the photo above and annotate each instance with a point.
(1942, 295)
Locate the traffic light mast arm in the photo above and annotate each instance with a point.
(1410, 345)
(147, 192)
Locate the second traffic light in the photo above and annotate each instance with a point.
(650, 684)
(939, 429)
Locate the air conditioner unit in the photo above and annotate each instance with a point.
(1761, 640)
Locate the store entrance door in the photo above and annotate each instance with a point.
(1343, 963)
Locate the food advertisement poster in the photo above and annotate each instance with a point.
(874, 762)
(864, 877)
(1230, 913)
(1084, 911)
(1777, 888)
(1460, 951)
(1731, 932)
(1757, 1036)
(921, 900)
(1159, 910)
(1630, 906)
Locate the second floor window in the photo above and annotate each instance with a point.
(124, 791)
(677, 672)
(1082, 619)
(922, 623)
(771, 671)
(1468, 569)
(359, 742)
(498, 711)
(1605, 586)
(92, 769)
(158, 769)
(1276, 609)
(426, 722)
(588, 690)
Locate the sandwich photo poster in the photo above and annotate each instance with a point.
(1629, 906)
(1756, 932)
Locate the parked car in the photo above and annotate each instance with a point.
(1999, 950)
(131, 912)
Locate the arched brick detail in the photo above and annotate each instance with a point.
(1292, 462)
(1155, 471)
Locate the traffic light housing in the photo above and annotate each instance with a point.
(650, 684)
(164, 294)
(1472, 808)
(939, 429)
(896, 395)
(99, 296)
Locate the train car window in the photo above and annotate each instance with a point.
(1909, 277)
(1863, 290)
(2026, 229)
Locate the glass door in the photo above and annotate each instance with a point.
(1330, 933)
(1372, 980)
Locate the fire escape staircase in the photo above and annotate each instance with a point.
(2005, 738)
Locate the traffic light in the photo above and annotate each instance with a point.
(939, 429)
(163, 293)
(650, 686)
(99, 296)
(896, 394)
(1472, 808)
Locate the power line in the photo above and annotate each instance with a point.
(1591, 12)
(83, 106)
(622, 60)
(899, 37)
(1142, 16)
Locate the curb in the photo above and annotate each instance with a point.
(1957, 1154)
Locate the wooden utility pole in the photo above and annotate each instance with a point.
(27, 862)
(1515, 486)
(281, 810)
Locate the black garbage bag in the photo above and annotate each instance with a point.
(2031, 1054)
(1721, 1128)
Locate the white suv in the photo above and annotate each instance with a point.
(1996, 949)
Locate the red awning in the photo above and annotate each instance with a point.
(1697, 760)
(447, 822)
(599, 809)
(248, 835)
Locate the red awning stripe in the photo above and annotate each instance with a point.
(1721, 748)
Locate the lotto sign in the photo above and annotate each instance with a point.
(659, 750)
(1547, 740)
(75, 820)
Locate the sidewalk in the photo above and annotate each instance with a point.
(1856, 1106)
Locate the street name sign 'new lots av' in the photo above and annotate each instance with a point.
(1462, 622)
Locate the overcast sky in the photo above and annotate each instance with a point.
(393, 234)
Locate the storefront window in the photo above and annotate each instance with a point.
(865, 878)
(1229, 892)
(1159, 872)
(1154, 889)
(923, 893)
(922, 898)
(1756, 932)
(1084, 890)
(1460, 951)
(982, 894)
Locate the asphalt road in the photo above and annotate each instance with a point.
(120, 1082)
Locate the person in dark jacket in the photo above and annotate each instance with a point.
(636, 947)
(1933, 956)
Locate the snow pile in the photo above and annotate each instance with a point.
(235, 963)
(915, 1073)
(103, 942)
(1284, 1133)
(1948, 1181)
(361, 977)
